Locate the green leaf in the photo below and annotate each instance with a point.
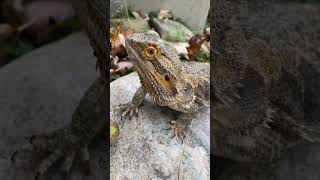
(114, 131)
(115, 77)
(15, 47)
(132, 69)
(153, 14)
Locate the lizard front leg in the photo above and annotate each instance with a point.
(180, 126)
(72, 141)
(132, 107)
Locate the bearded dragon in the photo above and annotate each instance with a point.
(265, 79)
(71, 142)
(166, 79)
(169, 81)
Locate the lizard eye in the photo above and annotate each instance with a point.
(151, 52)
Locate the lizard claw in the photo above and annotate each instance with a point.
(179, 130)
(52, 148)
(128, 109)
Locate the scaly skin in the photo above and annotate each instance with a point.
(71, 142)
(265, 80)
(89, 119)
(164, 77)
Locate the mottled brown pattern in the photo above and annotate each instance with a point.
(265, 78)
(166, 79)
(91, 115)
(163, 76)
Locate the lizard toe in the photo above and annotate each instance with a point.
(178, 130)
(47, 150)
(128, 109)
(48, 162)
(85, 159)
(36, 143)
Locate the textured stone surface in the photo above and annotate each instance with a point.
(38, 93)
(145, 149)
(137, 25)
(171, 30)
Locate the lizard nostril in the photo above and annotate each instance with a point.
(166, 77)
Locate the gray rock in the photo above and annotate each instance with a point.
(171, 30)
(38, 93)
(117, 7)
(145, 149)
(137, 25)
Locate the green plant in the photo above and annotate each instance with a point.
(152, 14)
(15, 47)
(115, 77)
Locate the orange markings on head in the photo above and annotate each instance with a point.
(164, 81)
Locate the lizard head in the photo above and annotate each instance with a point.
(157, 64)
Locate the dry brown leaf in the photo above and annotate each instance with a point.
(195, 44)
(119, 51)
(117, 39)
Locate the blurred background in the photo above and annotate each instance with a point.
(183, 24)
(46, 64)
(29, 24)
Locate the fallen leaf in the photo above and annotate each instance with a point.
(117, 39)
(114, 131)
(195, 44)
(119, 51)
